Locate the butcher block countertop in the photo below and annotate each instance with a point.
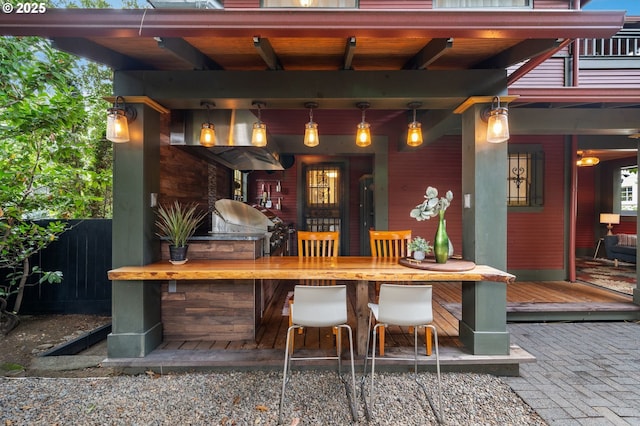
(353, 268)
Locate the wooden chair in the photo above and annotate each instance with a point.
(392, 244)
(325, 244)
(388, 244)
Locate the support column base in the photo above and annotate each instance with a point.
(134, 345)
(484, 342)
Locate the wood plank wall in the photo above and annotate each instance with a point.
(209, 310)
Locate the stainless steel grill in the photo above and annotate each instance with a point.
(230, 216)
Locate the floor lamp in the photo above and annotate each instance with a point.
(610, 219)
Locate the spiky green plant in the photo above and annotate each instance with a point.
(178, 222)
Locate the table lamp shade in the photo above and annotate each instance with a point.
(610, 218)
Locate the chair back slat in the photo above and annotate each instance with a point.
(389, 243)
(321, 244)
(318, 244)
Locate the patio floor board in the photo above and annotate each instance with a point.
(521, 296)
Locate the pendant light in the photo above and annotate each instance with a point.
(414, 133)
(118, 117)
(363, 134)
(311, 138)
(208, 132)
(497, 122)
(586, 159)
(259, 134)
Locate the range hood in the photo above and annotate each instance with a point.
(233, 139)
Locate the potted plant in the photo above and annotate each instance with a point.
(419, 247)
(177, 223)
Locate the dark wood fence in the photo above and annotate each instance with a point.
(83, 254)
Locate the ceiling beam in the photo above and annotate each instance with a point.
(314, 23)
(266, 52)
(518, 53)
(187, 53)
(97, 53)
(436, 89)
(349, 50)
(577, 94)
(429, 54)
(577, 121)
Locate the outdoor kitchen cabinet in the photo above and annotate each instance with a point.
(215, 310)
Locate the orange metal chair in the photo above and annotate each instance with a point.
(311, 244)
(392, 244)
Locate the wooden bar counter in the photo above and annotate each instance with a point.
(362, 270)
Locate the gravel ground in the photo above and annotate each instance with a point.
(252, 398)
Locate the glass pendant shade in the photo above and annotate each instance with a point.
(497, 122)
(311, 138)
(259, 135)
(117, 126)
(498, 126)
(414, 135)
(208, 135)
(363, 131)
(587, 161)
(363, 134)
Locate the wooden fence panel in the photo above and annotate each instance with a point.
(83, 254)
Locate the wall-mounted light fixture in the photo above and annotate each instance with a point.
(208, 131)
(306, 3)
(497, 118)
(414, 133)
(118, 118)
(363, 133)
(259, 134)
(586, 160)
(311, 138)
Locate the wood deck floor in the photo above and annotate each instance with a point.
(525, 300)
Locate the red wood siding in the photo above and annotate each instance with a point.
(396, 4)
(548, 74)
(535, 240)
(237, 4)
(586, 214)
(551, 4)
(628, 225)
(288, 182)
(610, 78)
(410, 173)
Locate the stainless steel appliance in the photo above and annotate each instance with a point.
(230, 216)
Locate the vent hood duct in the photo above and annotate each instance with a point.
(233, 139)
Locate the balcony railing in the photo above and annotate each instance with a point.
(625, 43)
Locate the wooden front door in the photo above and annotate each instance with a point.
(323, 206)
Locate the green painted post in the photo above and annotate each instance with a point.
(483, 328)
(136, 326)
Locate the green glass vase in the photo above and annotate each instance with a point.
(441, 242)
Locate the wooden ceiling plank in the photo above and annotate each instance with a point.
(186, 52)
(264, 48)
(524, 50)
(429, 54)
